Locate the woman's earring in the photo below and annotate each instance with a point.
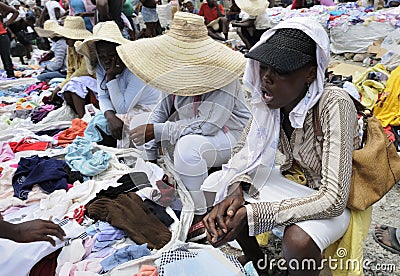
(308, 95)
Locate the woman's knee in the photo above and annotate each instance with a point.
(189, 149)
(298, 244)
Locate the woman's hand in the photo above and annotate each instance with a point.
(54, 95)
(116, 68)
(142, 134)
(235, 225)
(215, 221)
(116, 124)
(38, 230)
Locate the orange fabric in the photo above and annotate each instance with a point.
(68, 136)
(147, 270)
(210, 14)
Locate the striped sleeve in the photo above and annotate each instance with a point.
(338, 119)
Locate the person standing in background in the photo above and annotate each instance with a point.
(4, 39)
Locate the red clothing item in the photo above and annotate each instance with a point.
(2, 29)
(28, 144)
(210, 14)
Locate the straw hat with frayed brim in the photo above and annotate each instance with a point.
(74, 28)
(103, 31)
(185, 61)
(48, 29)
(253, 7)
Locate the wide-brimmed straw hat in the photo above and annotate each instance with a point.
(74, 28)
(103, 31)
(252, 7)
(185, 61)
(48, 29)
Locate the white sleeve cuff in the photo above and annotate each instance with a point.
(250, 219)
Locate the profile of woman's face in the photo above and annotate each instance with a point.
(285, 90)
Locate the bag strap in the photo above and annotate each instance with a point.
(361, 110)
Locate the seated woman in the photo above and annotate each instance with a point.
(203, 88)
(285, 71)
(119, 89)
(79, 87)
(57, 66)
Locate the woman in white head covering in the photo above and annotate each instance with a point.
(286, 75)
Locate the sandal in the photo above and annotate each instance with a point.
(197, 226)
(395, 248)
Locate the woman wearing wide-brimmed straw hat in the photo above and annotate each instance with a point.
(57, 66)
(79, 84)
(201, 78)
(119, 89)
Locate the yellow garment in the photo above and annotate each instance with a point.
(387, 110)
(262, 239)
(295, 174)
(350, 246)
(76, 66)
(370, 89)
(347, 253)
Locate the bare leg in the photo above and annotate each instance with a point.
(224, 26)
(243, 37)
(68, 99)
(298, 246)
(252, 252)
(79, 104)
(213, 35)
(148, 29)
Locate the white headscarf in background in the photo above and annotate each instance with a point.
(262, 141)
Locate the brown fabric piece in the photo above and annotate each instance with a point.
(129, 213)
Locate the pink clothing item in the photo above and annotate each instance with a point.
(69, 186)
(6, 152)
(147, 270)
(327, 3)
(92, 265)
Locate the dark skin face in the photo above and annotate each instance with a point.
(190, 6)
(70, 42)
(285, 90)
(108, 56)
(212, 3)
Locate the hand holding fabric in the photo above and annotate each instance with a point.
(37, 230)
(142, 134)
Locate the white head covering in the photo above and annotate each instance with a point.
(262, 141)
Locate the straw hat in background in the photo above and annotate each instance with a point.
(185, 61)
(102, 31)
(74, 28)
(48, 29)
(253, 7)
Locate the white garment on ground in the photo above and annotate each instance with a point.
(19, 258)
(194, 154)
(277, 188)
